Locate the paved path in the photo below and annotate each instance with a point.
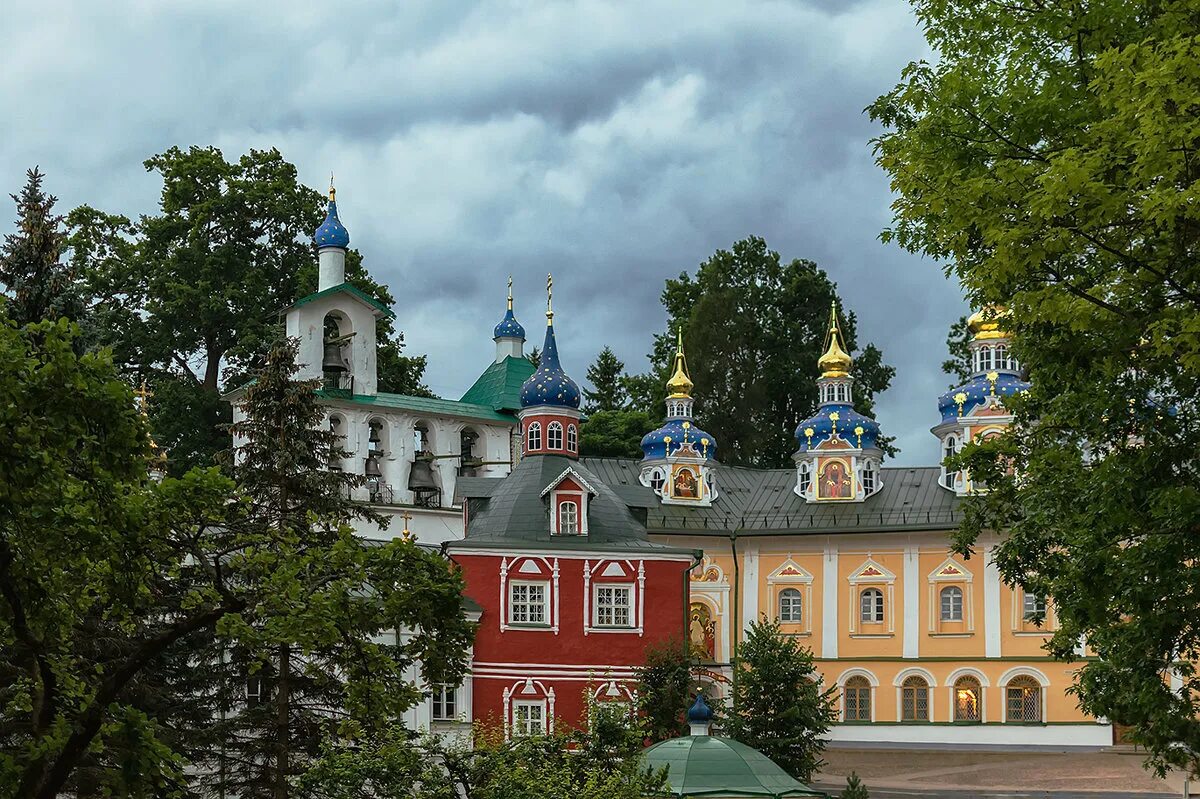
(896, 774)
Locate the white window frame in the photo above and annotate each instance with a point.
(554, 436)
(572, 438)
(948, 611)
(1027, 599)
(255, 693)
(443, 696)
(805, 472)
(510, 611)
(657, 479)
(598, 590)
(524, 728)
(858, 707)
(534, 437)
(795, 606)
(568, 523)
(868, 478)
(878, 612)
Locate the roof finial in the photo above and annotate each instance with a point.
(680, 385)
(332, 190)
(835, 362)
(510, 292)
(549, 299)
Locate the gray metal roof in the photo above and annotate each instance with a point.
(512, 512)
(762, 502)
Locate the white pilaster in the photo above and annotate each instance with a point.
(912, 601)
(829, 602)
(991, 605)
(749, 586)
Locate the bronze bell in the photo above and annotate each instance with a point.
(332, 361)
(421, 476)
(372, 468)
(374, 444)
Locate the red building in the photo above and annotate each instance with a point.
(571, 589)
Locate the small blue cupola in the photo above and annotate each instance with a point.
(509, 327)
(332, 233)
(550, 386)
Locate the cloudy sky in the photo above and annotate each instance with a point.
(614, 144)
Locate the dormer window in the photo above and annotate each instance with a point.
(568, 518)
(868, 478)
(554, 436)
(534, 437)
(657, 479)
(805, 477)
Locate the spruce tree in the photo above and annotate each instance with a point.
(39, 285)
(606, 375)
(854, 788)
(778, 706)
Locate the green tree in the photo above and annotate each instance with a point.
(534, 356)
(615, 434)
(778, 706)
(854, 788)
(109, 581)
(189, 297)
(39, 285)
(958, 365)
(753, 328)
(1048, 159)
(664, 689)
(606, 376)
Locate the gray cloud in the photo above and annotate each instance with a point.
(613, 144)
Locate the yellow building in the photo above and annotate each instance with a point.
(853, 559)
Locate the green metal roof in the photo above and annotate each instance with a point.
(703, 765)
(443, 407)
(345, 288)
(499, 386)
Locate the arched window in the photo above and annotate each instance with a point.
(1002, 357)
(535, 437)
(870, 603)
(805, 477)
(656, 480)
(568, 519)
(1023, 700)
(985, 359)
(949, 450)
(554, 436)
(572, 438)
(856, 699)
(868, 478)
(952, 603)
(790, 606)
(968, 696)
(914, 699)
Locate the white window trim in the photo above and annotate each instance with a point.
(930, 693)
(534, 427)
(942, 595)
(445, 689)
(555, 427)
(507, 565)
(627, 588)
(951, 684)
(779, 606)
(540, 704)
(637, 602)
(572, 438)
(580, 498)
(545, 585)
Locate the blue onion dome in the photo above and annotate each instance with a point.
(841, 421)
(549, 385)
(509, 327)
(655, 445)
(332, 233)
(699, 712)
(960, 401)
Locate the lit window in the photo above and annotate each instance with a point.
(535, 437)
(856, 699)
(952, 603)
(790, 606)
(871, 606)
(1023, 700)
(568, 518)
(612, 605)
(529, 718)
(527, 603)
(554, 436)
(1034, 608)
(572, 438)
(967, 695)
(445, 702)
(914, 699)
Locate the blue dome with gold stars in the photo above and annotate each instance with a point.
(509, 327)
(654, 443)
(549, 385)
(331, 233)
(838, 420)
(960, 401)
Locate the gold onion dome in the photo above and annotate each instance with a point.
(835, 362)
(680, 385)
(984, 323)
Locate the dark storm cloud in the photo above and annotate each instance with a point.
(614, 144)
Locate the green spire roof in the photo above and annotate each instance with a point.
(701, 765)
(499, 387)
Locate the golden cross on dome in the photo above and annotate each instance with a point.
(332, 190)
(549, 299)
(510, 292)
(406, 534)
(143, 394)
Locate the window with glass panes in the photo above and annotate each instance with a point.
(952, 603)
(527, 603)
(1034, 607)
(871, 606)
(914, 699)
(613, 604)
(445, 702)
(790, 606)
(529, 718)
(568, 518)
(554, 436)
(1023, 700)
(856, 699)
(968, 694)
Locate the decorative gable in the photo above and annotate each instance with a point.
(872, 571)
(569, 494)
(950, 570)
(790, 572)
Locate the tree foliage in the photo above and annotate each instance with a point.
(103, 573)
(606, 376)
(753, 327)
(39, 285)
(616, 433)
(854, 788)
(664, 689)
(778, 706)
(958, 365)
(1049, 159)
